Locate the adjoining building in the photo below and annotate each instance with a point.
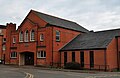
(94, 50)
(46, 40)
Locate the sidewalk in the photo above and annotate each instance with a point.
(57, 69)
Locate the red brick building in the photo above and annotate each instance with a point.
(94, 50)
(46, 40)
(2, 42)
(38, 39)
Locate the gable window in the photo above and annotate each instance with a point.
(26, 36)
(21, 36)
(41, 37)
(57, 35)
(14, 40)
(41, 54)
(32, 35)
(13, 55)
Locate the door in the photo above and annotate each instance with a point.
(65, 58)
(91, 59)
(29, 58)
(82, 59)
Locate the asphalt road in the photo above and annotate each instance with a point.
(32, 72)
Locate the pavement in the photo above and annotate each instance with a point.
(11, 71)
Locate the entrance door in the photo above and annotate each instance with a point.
(82, 59)
(29, 58)
(91, 59)
(65, 58)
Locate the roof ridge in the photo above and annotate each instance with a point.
(55, 16)
(107, 30)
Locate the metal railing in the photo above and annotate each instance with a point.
(83, 67)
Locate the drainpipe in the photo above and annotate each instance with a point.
(60, 58)
(105, 60)
(37, 44)
(52, 46)
(117, 52)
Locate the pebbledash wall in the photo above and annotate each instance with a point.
(37, 42)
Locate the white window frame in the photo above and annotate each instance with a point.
(39, 54)
(14, 40)
(13, 53)
(26, 36)
(3, 47)
(57, 35)
(21, 35)
(4, 40)
(32, 39)
(41, 37)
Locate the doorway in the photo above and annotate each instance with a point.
(26, 58)
(82, 59)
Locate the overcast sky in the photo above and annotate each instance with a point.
(92, 14)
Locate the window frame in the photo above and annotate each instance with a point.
(41, 37)
(13, 55)
(39, 54)
(4, 47)
(21, 35)
(14, 40)
(32, 38)
(57, 35)
(4, 40)
(26, 36)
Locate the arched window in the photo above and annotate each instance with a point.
(41, 37)
(26, 36)
(21, 36)
(32, 35)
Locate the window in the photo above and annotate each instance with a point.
(73, 56)
(41, 54)
(14, 39)
(13, 55)
(32, 35)
(21, 36)
(4, 39)
(57, 35)
(26, 36)
(4, 47)
(41, 37)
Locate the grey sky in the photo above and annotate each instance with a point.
(91, 14)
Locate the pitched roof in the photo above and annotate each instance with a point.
(92, 40)
(2, 27)
(60, 22)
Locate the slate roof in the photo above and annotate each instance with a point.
(61, 22)
(92, 40)
(2, 27)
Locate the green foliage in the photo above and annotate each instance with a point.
(72, 65)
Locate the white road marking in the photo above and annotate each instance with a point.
(28, 75)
